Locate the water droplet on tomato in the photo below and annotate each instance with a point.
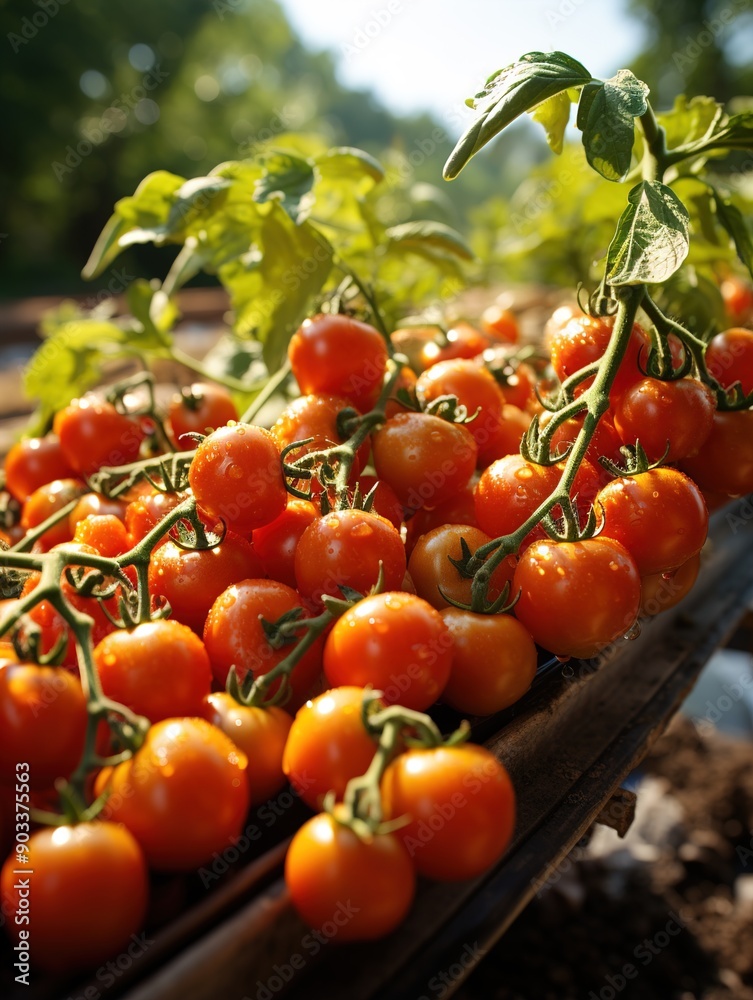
(633, 632)
(235, 472)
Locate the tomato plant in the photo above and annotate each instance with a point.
(199, 408)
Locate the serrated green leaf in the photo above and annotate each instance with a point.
(511, 92)
(732, 220)
(651, 240)
(271, 285)
(153, 310)
(427, 234)
(554, 114)
(286, 179)
(690, 119)
(606, 116)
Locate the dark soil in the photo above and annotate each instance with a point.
(669, 921)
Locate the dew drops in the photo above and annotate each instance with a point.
(524, 473)
(567, 671)
(362, 531)
(563, 659)
(633, 632)
(235, 472)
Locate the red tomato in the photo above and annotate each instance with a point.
(385, 502)
(198, 409)
(738, 298)
(46, 501)
(516, 382)
(659, 516)
(345, 548)
(406, 380)
(33, 462)
(236, 475)
(426, 460)
(459, 509)
(94, 434)
(146, 512)
(577, 597)
(501, 324)
(105, 533)
(345, 887)
(85, 900)
(475, 388)
(662, 591)
(660, 414)
(158, 669)
(328, 745)
(493, 662)
(276, 542)
(729, 358)
(260, 733)
(183, 794)
(461, 806)
(461, 341)
(504, 437)
(433, 574)
(191, 580)
(315, 417)
(43, 721)
(97, 505)
(511, 489)
(339, 355)
(234, 635)
(605, 442)
(585, 339)
(395, 642)
(724, 462)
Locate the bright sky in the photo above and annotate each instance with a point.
(432, 54)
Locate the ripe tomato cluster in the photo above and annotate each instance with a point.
(173, 611)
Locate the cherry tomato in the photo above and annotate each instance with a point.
(406, 380)
(461, 341)
(46, 501)
(339, 355)
(345, 548)
(662, 591)
(146, 512)
(97, 505)
(347, 888)
(493, 662)
(729, 358)
(260, 733)
(504, 437)
(86, 897)
(501, 324)
(94, 434)
(43, 721)
(327, 745)
(516, 381)
(276, 542)
(158, 669)
(660, 414)
(395, 642)
(738, 298)
(34, 462)
(577, 597)
(199, 408)
(385, 501)
(426, 460)
(585, 339)
(183, 794)
(724, 462)
(433, 574)
(191, 580)
(459, 509)
(605, 442)
(411, 341)
(461, 808)
(236, 474)
(659, 516)
(105, 533)
(314, 416)
(511, 489)
(234, 635)
(475, 388)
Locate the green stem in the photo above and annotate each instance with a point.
(270, 388)
(234, 384)
(371, 301)
(655, 155)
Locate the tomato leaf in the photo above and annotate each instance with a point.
(652, 237)
(554, 114)
(732, 220)
(287, 179)
(511, 92)
(427, 236)
(273, 282)
(349, 163)
(606, 116)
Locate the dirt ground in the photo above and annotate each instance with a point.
(666, 914)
